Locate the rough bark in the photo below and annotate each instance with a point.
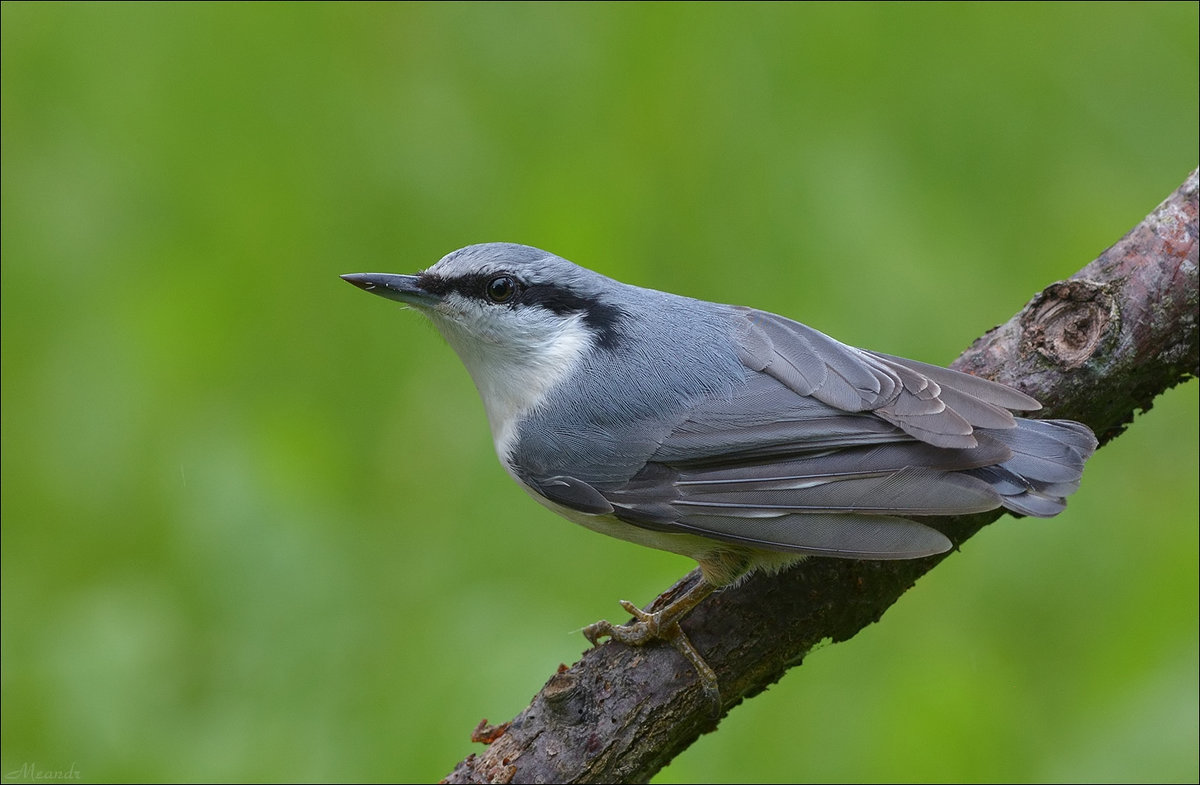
(1095, 348)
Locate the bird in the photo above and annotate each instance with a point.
(739, 438)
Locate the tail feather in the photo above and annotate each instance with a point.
(1046, 466)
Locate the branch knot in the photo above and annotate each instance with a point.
(1067, 322)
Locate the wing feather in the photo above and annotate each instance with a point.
(845, 536)
(827, 449)
(933, 404)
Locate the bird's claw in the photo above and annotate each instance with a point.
(648, 627)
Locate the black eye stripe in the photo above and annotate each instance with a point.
(602, 317)
(475, 285)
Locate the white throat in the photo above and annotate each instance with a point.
(514, 375)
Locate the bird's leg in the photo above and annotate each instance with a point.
(663, 625)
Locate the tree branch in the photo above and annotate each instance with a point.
(1094, 348)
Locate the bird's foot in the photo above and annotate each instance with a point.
(663, 625)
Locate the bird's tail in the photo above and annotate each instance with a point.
(1047, 463)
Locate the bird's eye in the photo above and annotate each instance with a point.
(501, 289)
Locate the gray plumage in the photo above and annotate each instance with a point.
(737, 437)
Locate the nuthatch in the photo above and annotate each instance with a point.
(738, 438)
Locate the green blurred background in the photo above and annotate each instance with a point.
(253, 528)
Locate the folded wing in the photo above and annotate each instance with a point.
(827, 449)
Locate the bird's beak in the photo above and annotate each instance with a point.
(404, 288)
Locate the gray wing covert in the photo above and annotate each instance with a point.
(933, 404)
